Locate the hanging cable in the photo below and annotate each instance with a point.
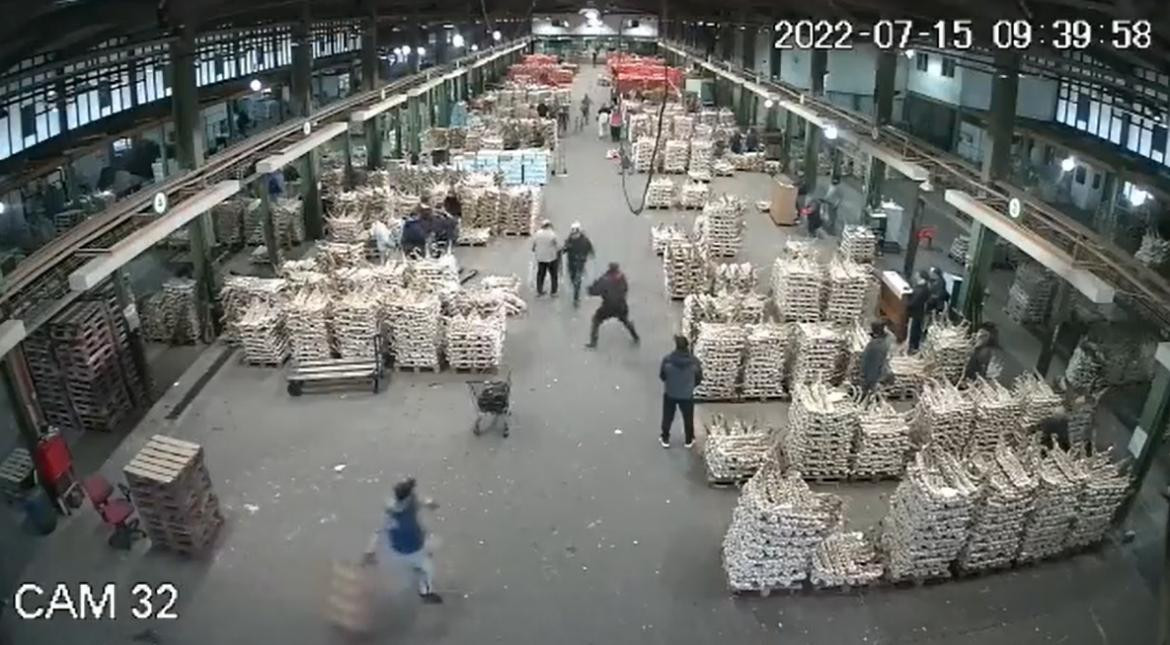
(623, 154)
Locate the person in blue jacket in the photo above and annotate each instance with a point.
(680, 374)
(408, 539)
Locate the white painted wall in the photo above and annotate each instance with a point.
(852, 71)
(609, 26)
(796, 68)
(970, 145)
(932, 83)
(1084, 195)
(1035, 99)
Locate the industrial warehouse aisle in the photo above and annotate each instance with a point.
(578, 529)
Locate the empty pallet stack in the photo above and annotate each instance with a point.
(172, 491)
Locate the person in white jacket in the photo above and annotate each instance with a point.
(546, 250)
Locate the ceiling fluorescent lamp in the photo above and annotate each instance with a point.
(1068, 164)
(1137, 197)
(457, 41)
(496, 35)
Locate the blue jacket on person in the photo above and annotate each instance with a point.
(680, 373)
(414, 231)
(403, 527)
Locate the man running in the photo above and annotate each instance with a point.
(407, 539)
(612, 288)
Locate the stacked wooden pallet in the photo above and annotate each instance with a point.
(944, 417)
(702, 155)
(172, 314)
(332, 256)
(858, 244)
(947, 348)
(1037, 399)
(172, 492)
(928, 518)
(845, 559)
(227, 219)
(261, 331)
(1055, 507)
(307, 319)
(764, 364)
(775, 529)
(734, 278)
(883, 441)
(1154, 250)
(693, 194)
(907, 374)
(520, 207)
(822, 423)
(661, 234)
(16, 473)
(798, 285)
(356, 320)
(722, 225)
(1030, 296)
(735, 449)
(239, 292)
(997, 415)
(682, 126)
(414, 326)
(1007, 493)
(475, 341)
(847, 286)
(720, 348)
(677, 156)
(1104, 488)
(817, 353)
(643, 154)
(660, 194)
(684, 263)
(745, 308)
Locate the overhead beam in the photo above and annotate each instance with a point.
(361, 116)
(12, 332)
(1052, 257)
(91, 274)
(300, 148)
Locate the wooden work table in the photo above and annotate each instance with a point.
(892, 302)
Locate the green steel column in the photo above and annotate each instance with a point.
(980, 255)
(310, 187)
(1150, 433)
(1002, 116)
(1056, 319)
(835, 161)
(790, 125)
(347, 147)
(23, 407)
(415, 124)
(302, 66)
(884, 88)
(916, 212)
(812, 136)
(373, 128)
(398, 133)
(268, 224)
(137, 344)
(1105, 219)
(189, 149)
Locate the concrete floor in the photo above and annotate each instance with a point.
(577, 529)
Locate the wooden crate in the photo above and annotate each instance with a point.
(173, 494)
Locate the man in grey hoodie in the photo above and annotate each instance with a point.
(680, 373)
(875, 358)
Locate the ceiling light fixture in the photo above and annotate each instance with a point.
(1068, 164)
(421, 51)
(474, 47)
(768, 103)
(457, 41)
(496, 35)
(830, 131)
(1137, 197)
(255, 85)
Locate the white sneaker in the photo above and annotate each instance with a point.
(689, 443)
(663, 442)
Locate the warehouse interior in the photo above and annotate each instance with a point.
(204, 214)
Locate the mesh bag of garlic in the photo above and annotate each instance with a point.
(1006, 496)
(775, 529)
(307, 317)
(858, 244)
(1030, 296)
(720, 348)
(228, 220)
(724, 308)
(817, 353)
(722, 225)
(883, 441)
(944, 417)
(734, 278)
(926, 525)
(661, 234)
(660, 194)
(332, 256)
(822, 423)
(1085, 370)
(997, 415)
(485, 299)
(1103, 490)
(475, 341)
(1154, 251)
(239, 292)
(683, 126)
(172, 315)
(412, 321)
(643, 154)
(797, 284)
(684, 263)
(1059, 486)
(693, 194)
(1036, 398)
(262, 334)
(845, 559)
(439, 275)
(677, 156)
(735, 449)
(767, 354)
(947, 348)
(356, 319)
(848, 284)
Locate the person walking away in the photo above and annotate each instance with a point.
(812, 217)
(603, 113)
(752, 141)
(595, 58)
(453, 206)
(586, 106)
(414, 236)
(833, 198)
(875, 359)
(680, 373)
(578, 249)
(563, 118)
(916, 309)
(986, 346)
(612, 288)
(542, 110)
(546, 249)
(939, 296)
(408, 540)
(615, 124)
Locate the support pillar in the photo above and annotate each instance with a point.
(311, 194)
(302, 66)
(790, 125)
(812, 134)
(1002, 117)
(370, 52)
(269, 225)
(1056, 319)
(347, 148)
(414, 124)
(979, 260)
(1105, 219)
(749, 48)
(917, 210)
(137, 344)
(1150, 434)
(887, 67)
(24, 405)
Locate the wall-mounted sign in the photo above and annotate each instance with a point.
(160, 203)
(308, 127)
(1014, 207)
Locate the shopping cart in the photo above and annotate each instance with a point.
(492, 400)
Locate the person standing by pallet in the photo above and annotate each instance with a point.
(680, 374)
(546, 250)
(407, 539)
(578, 250)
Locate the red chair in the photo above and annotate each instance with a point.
(926, 235)
(115, 512)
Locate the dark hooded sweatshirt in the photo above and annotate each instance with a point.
(681, 373)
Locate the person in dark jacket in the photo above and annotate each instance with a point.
(1053, 431)
(407, 539)
(916, 308)
(680, 374)
(875, 358)
(414, 236)
(453, 206)
(986, 345)
(577, 249)
(812, 216)
(612, 288)
(939, 296)
(542, 110)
